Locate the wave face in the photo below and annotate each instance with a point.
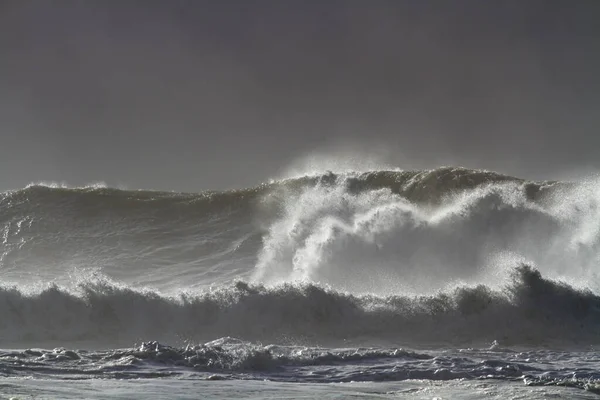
(449, 255)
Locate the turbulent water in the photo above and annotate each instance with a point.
(450, 275)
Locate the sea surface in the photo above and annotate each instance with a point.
(437, 284)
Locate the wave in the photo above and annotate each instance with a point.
(529, 310)
(383, 233)
(159, 239)
(323, 278)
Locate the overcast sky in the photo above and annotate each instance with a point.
(191, 95)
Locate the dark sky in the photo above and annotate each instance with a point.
(190, 95)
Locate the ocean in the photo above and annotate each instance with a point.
(448, 283)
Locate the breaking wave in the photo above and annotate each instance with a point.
(529, 310)
(449, 255)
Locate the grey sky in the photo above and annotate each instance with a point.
(190, 95)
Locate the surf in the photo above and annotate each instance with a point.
(364, 257)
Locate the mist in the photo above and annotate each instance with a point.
(193, 95)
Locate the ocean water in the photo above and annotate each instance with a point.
(437, 284)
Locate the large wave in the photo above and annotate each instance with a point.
(528, 310)
(395, 256)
